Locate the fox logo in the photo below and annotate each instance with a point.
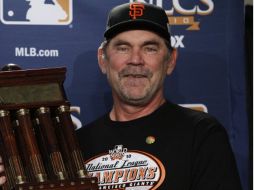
(36, 12)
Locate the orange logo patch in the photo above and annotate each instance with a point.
(136, 10)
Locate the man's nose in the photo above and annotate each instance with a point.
(136, 57)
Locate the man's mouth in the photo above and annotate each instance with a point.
(135, 75)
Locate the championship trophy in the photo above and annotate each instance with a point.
(37, 136)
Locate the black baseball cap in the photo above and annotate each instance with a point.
(131, 16)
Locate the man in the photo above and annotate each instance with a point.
(145, 141)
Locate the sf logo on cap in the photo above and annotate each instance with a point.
(136, 10)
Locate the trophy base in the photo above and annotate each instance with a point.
(80, 184)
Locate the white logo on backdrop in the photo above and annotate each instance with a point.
(41, 13)
(36, 12)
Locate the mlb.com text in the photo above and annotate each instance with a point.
(34, 52)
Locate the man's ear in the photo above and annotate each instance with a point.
(172, 61)
(101, 60)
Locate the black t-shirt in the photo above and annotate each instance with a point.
(173, 148)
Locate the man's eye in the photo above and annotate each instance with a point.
(151, 49)
(122, 49)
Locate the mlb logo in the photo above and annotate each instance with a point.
(36, 12)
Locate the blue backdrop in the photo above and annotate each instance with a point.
(209, 35)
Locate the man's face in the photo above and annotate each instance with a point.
(136, 64)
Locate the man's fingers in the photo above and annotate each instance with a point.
(1, 168)
(2, 180)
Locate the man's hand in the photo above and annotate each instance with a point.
(2, 177)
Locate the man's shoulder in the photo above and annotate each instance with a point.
(187, 113)
(97, 121)
(192, 118)
(93, 124)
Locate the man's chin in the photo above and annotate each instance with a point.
(136, 101)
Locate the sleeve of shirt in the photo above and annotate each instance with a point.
(214, 165)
